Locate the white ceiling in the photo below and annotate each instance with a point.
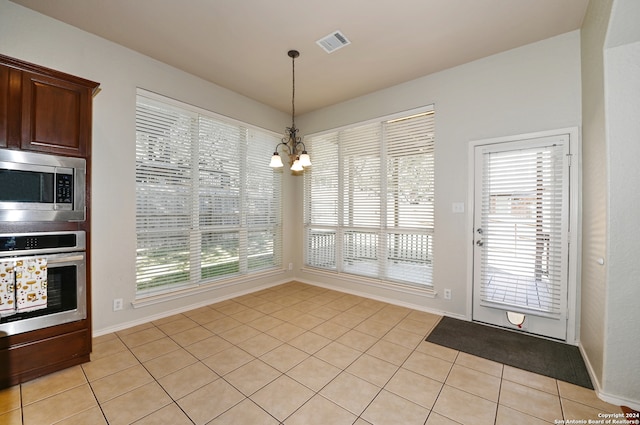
(242, 44)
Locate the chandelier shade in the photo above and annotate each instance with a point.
(276, 161)
(291, 143)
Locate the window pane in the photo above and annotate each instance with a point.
(322, 185)
(361, 151)
(162, 261)
(410, 176)
(262, 249)
(163, 196)
(219, 173)
(262, 204)
(373, 185)
(409, 257)
(207, 203)
(220, 255)
(361, 253)
(321, 248)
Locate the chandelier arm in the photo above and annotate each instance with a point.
(300, 142)
(283, 143)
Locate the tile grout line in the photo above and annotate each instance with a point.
(495, 418)
(345, 371)
(443, 383)
(142, 365)
(94, 393)
(301, 297)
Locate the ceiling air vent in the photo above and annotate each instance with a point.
(333, 42)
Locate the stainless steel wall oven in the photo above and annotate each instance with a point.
(42, 280)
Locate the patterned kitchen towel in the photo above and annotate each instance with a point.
(7, 288)
(31, 284)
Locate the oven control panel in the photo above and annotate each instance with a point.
(12, 244)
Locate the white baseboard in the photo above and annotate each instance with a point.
(602, 395)
(167, 313)
(382, 299)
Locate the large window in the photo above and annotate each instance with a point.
(207, 204)
(369, 207)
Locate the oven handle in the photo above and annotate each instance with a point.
(65, 259)
(57, 258)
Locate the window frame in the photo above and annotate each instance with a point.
(246, 198)
(331, 237)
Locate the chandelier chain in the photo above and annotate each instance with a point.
(293, 92)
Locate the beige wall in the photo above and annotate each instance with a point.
(622, 109)
(610, 326)
(594, 191)
(32, 37)
(529, 89)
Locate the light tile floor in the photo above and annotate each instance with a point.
(292, 354)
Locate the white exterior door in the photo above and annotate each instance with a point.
(522, 223)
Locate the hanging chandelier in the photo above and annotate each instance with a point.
(291, 142)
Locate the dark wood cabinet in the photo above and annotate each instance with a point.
(33, 354)
(10, 109)
(4, 105)
(46, 111)
(56, 115)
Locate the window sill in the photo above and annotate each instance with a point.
(426, 291)
(147, 300)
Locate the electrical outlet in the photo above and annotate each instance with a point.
(447, 294)
(290, 266)
(117, 304)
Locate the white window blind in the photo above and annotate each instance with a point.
(207, 206)
(369, 199)
(523, 203)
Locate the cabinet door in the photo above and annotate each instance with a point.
(4, 106)
(10, 109)
(56, 115)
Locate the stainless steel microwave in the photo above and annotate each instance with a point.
(41, 187)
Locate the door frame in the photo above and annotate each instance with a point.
(575, 221)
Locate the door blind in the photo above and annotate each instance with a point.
(523, 233)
